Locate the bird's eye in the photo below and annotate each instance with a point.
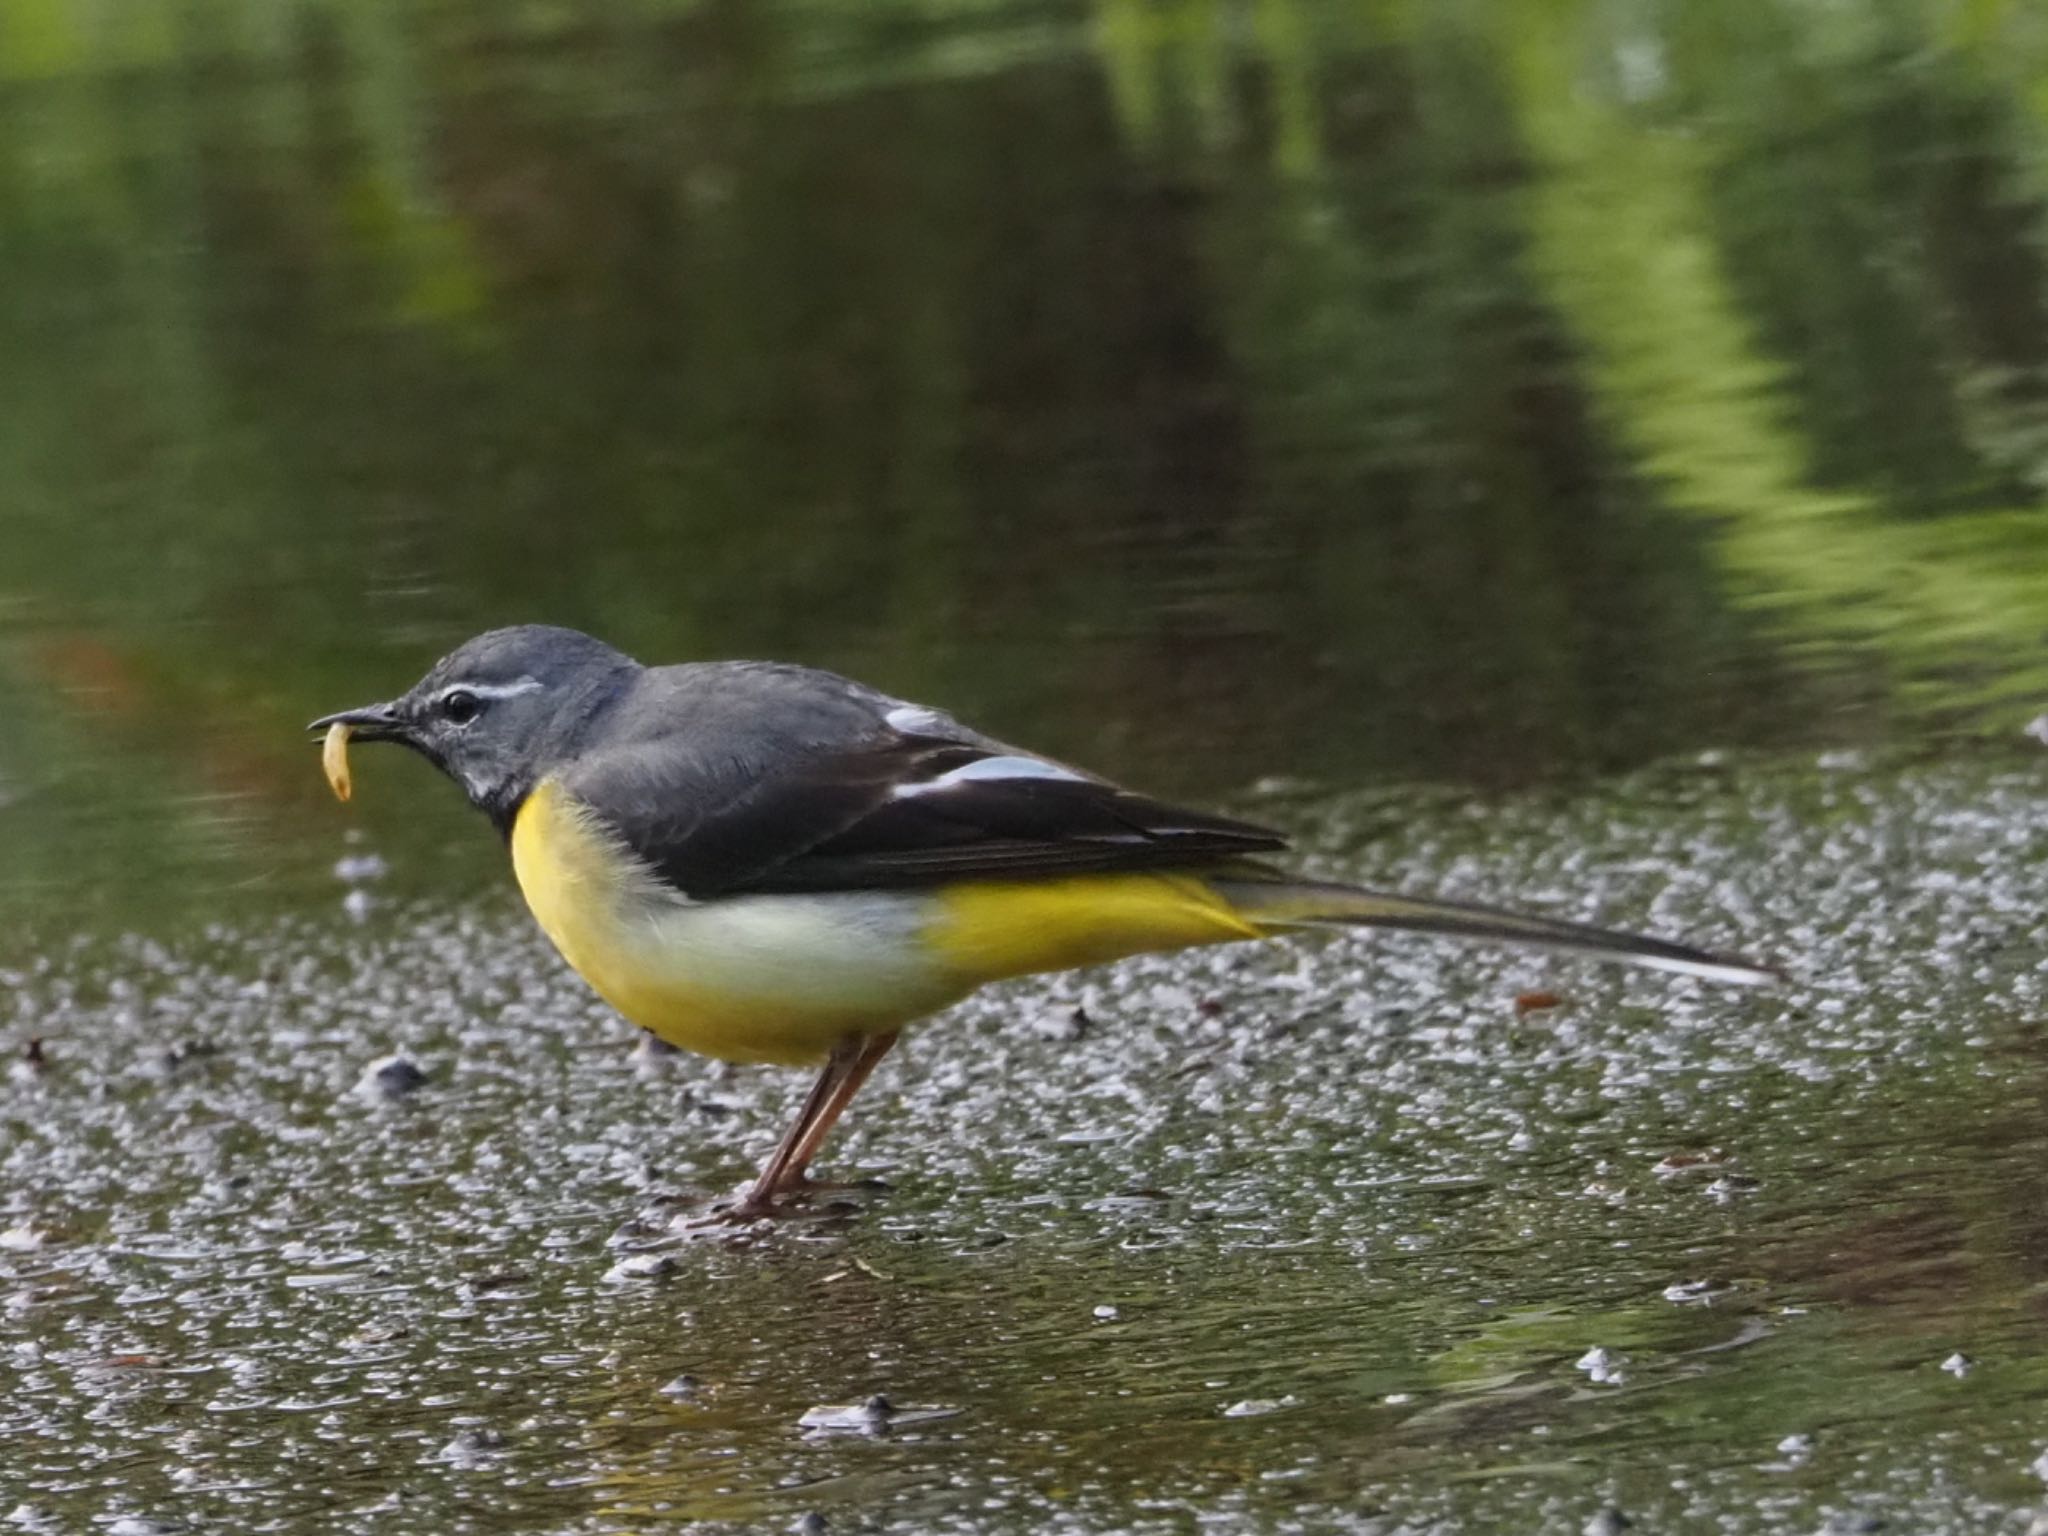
(461, 706)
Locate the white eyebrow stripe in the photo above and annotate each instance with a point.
(986, 769)
(510, 690)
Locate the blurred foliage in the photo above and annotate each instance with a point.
(1477, 389)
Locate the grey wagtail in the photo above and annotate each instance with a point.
(767, 863)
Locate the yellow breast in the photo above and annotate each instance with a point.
(746, 978)
(784, 978)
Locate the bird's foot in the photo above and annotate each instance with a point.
(731, 1219)
(794, 1199)
(742, 1210)
(804, 1187)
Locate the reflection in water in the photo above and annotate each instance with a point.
(1422, 392)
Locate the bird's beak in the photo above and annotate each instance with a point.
(373, 722)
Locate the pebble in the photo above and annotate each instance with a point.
(642, 1266)
(32, 1063)
(874, 1416)
(177, 1060)
(473, 1445)
(653, 1055)
(1066, 1025)
(390, 1078)
(1257, 1407)
(1602, 1367)
(1692, 1293)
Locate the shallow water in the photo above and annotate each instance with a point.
(1589, 455)
(1324, 1237)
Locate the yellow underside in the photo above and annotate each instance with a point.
(783, 978)
(992, 929)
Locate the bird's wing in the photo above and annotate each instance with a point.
(873, 793)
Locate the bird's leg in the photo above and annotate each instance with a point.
(759, 1200)
(795, 1174)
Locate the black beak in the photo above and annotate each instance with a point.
(373, 722)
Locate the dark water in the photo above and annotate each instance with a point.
(1585, 453)
(1469, 392)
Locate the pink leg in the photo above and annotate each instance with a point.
(872, 1049)
(851, 1061)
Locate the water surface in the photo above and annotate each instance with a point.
(1323, 1237)
(1587, 454)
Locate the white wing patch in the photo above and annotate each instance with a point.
(983, 769)
(916, 720)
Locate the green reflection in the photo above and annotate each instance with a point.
(1632, 254)
(1471, 391)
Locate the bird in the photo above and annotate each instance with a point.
(769, 863)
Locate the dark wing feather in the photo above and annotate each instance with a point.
(995, 829)
(879, 810)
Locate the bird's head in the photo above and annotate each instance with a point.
(499, 712)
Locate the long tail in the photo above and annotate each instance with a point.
(1283, 903)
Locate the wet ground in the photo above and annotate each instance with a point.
(1359, 1236)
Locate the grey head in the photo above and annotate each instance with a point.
(501, 711)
